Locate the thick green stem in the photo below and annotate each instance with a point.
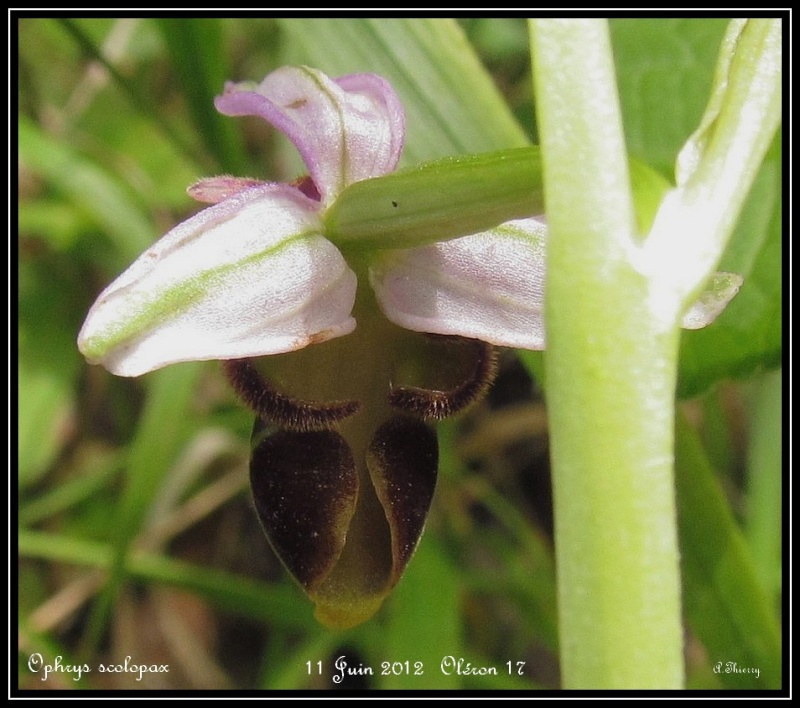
(610, 384)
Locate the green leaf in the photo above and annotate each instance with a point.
(456, 196)
(498, 38)
(96, 474)
(527, 577)
(49, 300)
(43, 412)
(725, 604)
(664, 73)
(55, 221)
(201, 62)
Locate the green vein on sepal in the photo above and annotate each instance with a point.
(172, 301)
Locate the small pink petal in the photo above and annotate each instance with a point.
(346, 130)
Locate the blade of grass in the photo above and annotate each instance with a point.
(160, 436)
(531, 580)
(49, 288)
(537, 584)
(197, 51)
(90, 187)
(71, 492)
(723, 600)
(281, 605)
(763, 528)
(56, 547)
(138, 101)
(47, 402)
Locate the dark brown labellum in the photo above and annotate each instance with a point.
(403, 459)
(343, 498)
(305, 488)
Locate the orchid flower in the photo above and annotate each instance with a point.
(344, 459)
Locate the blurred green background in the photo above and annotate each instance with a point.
(137, 536)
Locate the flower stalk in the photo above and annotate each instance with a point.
(613, 303)
(610, 384)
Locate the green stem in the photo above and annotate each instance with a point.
(610, 384)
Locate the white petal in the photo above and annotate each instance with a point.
(247, 277)
(487, 286)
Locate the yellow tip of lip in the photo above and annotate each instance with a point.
(348, 614)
